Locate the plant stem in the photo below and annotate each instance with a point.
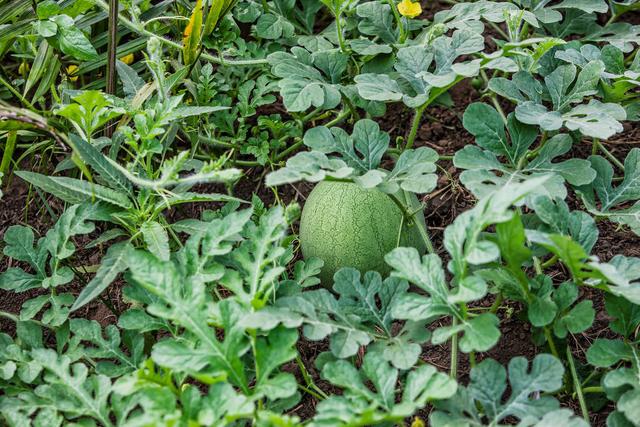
(311, 385)
(310, 116)
(290, 149)
(216, 142)
(112, 44)
(17, 94)
(9, 147)
(498, 107)
(403, 32)
(577, 386)
(608, 154)
(343, 48)
(425, 235)
(552, 344)
(594, 389)
(547, 332)
(414, 218)
(496, 304)
(453, 372)
(551, 261)
(9, 316)
(498, 30)
(16, 319)
(472, 359)
(339, 118)
(414, 126)
(536, 151)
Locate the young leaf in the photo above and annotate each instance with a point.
(602, 190)
(479, 164)
(483, 397)
(367, 139)
(302, 85)
(115, 362)
(422, 385)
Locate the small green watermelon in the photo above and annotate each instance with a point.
(347, 226)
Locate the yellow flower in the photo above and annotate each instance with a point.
(71, 70)
(409, 9)
(417, 422)
(128, 59)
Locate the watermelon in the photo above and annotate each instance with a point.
(348, 226)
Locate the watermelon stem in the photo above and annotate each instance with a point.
(415, 125)
(411, 216)
(453, 370)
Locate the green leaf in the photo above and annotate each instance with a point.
(486, 124)
(622, 274)
(628, 189)
(19, 246)
(480, 178)
(364, 312)
(421, 70)
(462, 238)
(511, 240)
(69, 386)
(469, 16)
(541, 311)
(609, 197)
(595, 119)
(377, 20)
(607, 352)
(309, 166)
(561, 417)
(115, 362)
(367, 139)
(483, 397)
(273, 27)
(156, 239)
(72, 40)
(131, 81)
(422, 385)
(74, 190)
(56, 313)
(413, 172)
(378, 87)
(112, 264)
(46, 257)
(273, 351)
(258, 261)
(578, 319)
(559, 81)
(625, 315)
(302, 85)
(480, 333)
(46, 28)
(588, 6)
(558, 219)
(94, 158)
(622, 35)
